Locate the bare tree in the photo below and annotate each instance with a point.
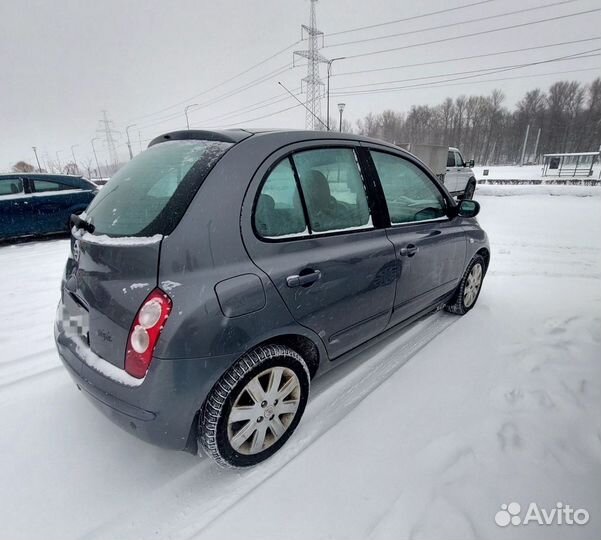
(23, 167)
(568, 115)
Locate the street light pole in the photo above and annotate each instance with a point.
(330, 62)
(341, 107)
(131, 155)
(96, 157)
(35, 151)
(73, 154)
(186, 109)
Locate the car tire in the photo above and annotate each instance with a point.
(468, 194)
(467, 293)
(255, 406)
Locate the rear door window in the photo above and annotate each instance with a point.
(45, 185)
(279, 211)
(150, 194)
(10, 186)
(451, 159)
(333, 189)
(409, 192)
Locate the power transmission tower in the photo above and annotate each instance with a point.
(312, 83)
(107, 131)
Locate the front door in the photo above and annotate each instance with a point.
(314, 236)
(453, 174)
(463, 172)
(430, 247)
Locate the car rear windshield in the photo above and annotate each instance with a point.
(150, 194)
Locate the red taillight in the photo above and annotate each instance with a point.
(145, 332)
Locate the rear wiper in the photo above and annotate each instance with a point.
(80, 223)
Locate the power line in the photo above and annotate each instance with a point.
(446, 25)
(275, 99)
(455, 59)
(261, 117)
(281, 51)
(221, 97)
(563, 72)
(436, 84)
(254, 66)
(472, 34)
(597, 68)
(272, 101)
(248, 108)
(440, 11)
(575, 56)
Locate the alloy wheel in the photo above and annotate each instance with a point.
(263, 410)
(472, 285)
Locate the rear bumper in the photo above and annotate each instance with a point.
(162, 409)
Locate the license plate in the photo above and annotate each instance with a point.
(75, 319)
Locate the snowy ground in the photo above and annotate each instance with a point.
(424, 436)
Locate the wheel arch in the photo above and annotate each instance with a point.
(310, 351)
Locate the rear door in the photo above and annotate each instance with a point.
(15, 208)
(314, 234)
(51, 202)
(430, 247)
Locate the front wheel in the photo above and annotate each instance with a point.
(469, 288)
(255, 406)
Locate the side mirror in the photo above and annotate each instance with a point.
(470, 163)
(468, 208)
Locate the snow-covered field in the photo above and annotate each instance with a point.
(424, 436)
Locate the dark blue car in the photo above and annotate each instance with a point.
(40, 204)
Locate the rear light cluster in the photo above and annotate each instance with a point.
(145, 332)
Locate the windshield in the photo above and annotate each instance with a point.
(150, 194)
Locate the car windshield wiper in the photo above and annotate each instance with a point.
(80, 223)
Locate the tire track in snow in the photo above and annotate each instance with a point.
(202, 494)
(28, 366)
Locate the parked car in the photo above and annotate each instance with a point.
(40, 204)
(219, 272)
(459, 179)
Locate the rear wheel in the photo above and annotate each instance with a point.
(255, 407)
(469, 288)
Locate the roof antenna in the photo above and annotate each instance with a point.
(309, 110)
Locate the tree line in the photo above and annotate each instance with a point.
(568, 116)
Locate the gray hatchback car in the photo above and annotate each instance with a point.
(219, 272)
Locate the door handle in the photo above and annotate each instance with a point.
(304, 279)
(409, 251)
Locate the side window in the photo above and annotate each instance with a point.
(279, 211)
(333, 189)
(45, 185)
(451, 159)
(458, 159)
(10, 186)
(410, 193)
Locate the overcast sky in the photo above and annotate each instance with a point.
(63, 61)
